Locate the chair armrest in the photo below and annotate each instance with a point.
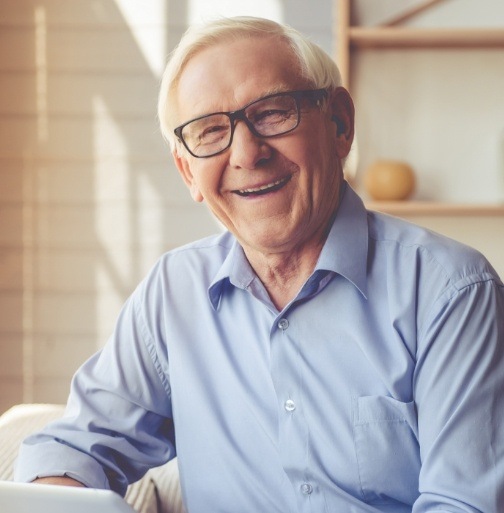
(16, 424)
(157, 492)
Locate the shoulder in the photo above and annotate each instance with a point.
(213, 247)
(193, 264)
(180, 279)
(198, 258)
(423, 250)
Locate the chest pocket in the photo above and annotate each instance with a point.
(387, 450)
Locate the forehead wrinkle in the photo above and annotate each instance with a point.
(280, 88)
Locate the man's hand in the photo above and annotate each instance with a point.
(62, 481)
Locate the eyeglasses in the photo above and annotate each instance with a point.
(272, 115)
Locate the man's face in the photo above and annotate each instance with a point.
(302, 168)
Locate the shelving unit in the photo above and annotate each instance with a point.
(350, 38)
(355, 38)
(392, 37)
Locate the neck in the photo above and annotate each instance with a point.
(284, 271)
(283, 274)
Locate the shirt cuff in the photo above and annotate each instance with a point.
(53, 459)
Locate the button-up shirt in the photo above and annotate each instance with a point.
(378, 388)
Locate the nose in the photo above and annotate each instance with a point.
(247, 151)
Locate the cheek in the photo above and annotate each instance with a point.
(206, 181)
(312, 142)
(318, 163)
(313, 156)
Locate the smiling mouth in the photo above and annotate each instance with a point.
(265, 189)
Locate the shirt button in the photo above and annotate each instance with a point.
(306, 488)
(283, 324)
(290, 405)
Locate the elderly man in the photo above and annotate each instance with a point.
(313, 357)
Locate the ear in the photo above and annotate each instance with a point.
(341, 110)
(185, 172)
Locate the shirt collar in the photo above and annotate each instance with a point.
(344, 252)
(235, 270)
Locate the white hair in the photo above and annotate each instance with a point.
(316, 66)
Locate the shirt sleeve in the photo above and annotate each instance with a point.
(118, 420)
(459, 394)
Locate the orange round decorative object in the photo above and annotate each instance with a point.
(389, 180)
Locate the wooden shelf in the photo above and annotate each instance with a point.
(402, 37)
(427, 208)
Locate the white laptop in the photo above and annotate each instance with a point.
(42, 498)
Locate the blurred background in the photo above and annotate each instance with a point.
(89, 197)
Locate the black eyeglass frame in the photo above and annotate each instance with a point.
(239, 115)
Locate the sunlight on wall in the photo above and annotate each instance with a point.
(111, 183)
(28, 280)
(203, 10)
(41, 72)
(28, 209)
(147, 24)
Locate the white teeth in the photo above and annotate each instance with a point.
(263, 188)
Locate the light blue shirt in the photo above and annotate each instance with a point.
(379, 388)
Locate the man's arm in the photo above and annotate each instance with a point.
(118, 421)
(459, 393)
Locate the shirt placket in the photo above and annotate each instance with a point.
(293, 435)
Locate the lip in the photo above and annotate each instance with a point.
(260, 190)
